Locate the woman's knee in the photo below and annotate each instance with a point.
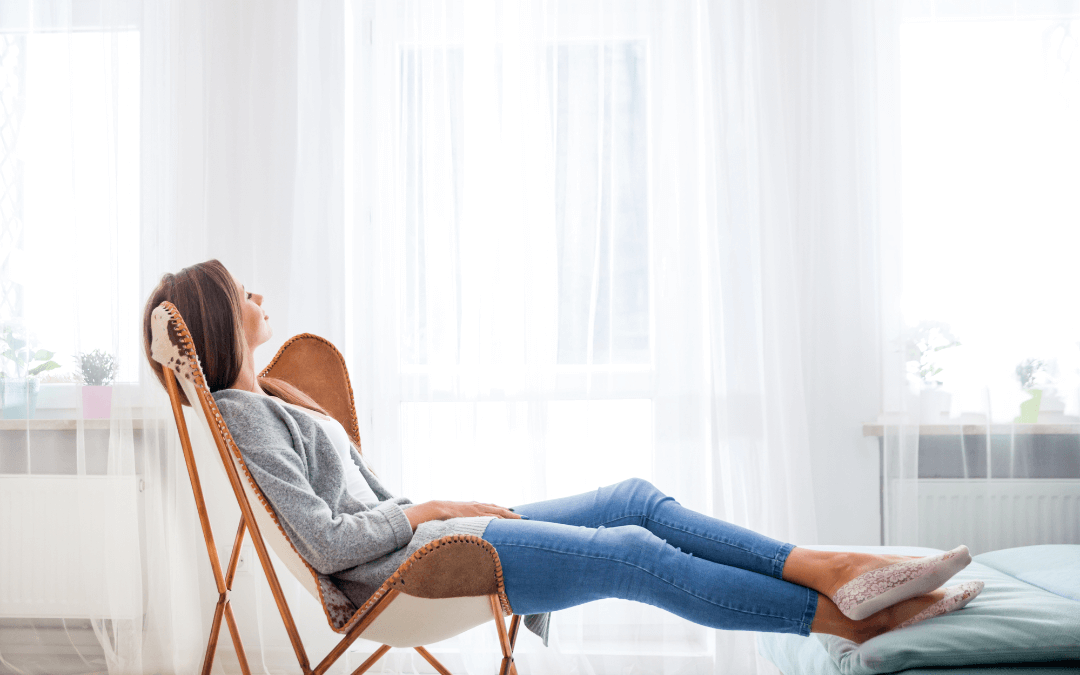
(636, 537)
(639, 496)
(637, 487)
(643, 551)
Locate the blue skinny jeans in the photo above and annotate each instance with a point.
(631, 541)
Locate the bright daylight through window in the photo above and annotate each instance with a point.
(599, 220)
(70, 184)
(991, 133)
(601, 212)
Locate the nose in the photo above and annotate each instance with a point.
(257, 298)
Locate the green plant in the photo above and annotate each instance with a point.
(97, 368)
(1031, 373)
(21, 358)
(926, 342)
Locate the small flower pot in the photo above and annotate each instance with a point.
(1029, 409)
(96, 402)
(20, 398)
(1052, 407)
(934, 406)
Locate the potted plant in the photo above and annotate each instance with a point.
(21, 362)
(924, 347)
(1032, 374)
(98, 370)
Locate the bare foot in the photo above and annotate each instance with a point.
(828, 618)
(848, 566)
(827, 571)
(891, 617)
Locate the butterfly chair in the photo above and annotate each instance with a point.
(445, 588)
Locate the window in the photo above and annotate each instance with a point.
(600, 200)
(69, 191)
(990, 133)
(474, 292)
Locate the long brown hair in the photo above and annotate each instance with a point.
(208, 300)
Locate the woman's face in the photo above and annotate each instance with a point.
(256, 322)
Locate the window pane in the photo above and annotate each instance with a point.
(599, 145)
(432, 143)
(71, 273)
(458, 450)
(595, 443)
(602, 202)
(991, 219)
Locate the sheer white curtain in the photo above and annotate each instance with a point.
(71, 478)
(140, 137)
(243, 163)
(560, 244)
(604, 239)
(982, 377)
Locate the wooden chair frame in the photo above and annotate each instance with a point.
(364, 617)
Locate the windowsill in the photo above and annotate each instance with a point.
(57, 410)
(967, 429)
(65, 424)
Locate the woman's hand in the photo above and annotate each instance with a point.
(444, 510)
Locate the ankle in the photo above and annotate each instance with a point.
(831, 621)
(872, 626)
(844, 567)
(868, 628)
(823, 571)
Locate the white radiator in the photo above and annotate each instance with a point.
(988, 515)
(69, 547)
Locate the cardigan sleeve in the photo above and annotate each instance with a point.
(280, 459)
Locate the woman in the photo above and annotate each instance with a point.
(627, 540)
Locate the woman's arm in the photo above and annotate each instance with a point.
(444, 510)
(329, 541)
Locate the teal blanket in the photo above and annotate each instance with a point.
(1029, 613)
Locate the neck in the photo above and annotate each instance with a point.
(248, 380)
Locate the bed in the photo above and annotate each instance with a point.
(1026, 621)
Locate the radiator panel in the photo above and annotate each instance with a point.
(989, 515)
(69, 547)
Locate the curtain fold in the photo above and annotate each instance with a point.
(560, 244)
(621, 239)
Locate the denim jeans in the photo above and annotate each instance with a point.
(631, 541)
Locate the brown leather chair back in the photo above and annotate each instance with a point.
(316, 367)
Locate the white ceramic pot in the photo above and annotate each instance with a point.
(934, 406)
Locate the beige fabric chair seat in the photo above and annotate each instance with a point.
(445, 588)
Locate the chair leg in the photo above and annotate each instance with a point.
(224, 609)
(230, 574)
(515, 623)
(215, 630)
(223, 581)
(371, 660)
(237, 645)
(507, 666)
(433, 661)
(234, 557)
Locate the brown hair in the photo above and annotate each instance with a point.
(206, 297)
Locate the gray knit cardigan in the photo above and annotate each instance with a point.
(295, 465)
